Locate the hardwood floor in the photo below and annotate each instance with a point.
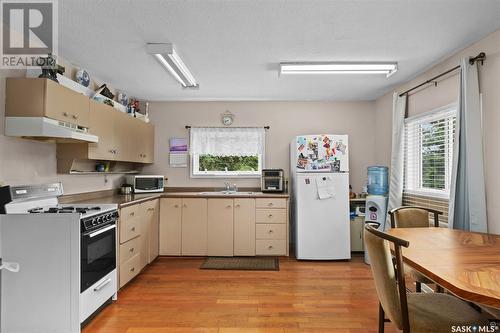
(174, 295)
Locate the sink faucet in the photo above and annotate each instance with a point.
(230, 188)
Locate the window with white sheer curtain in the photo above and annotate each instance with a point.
(227, 151)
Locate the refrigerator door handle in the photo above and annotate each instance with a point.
(10, 266)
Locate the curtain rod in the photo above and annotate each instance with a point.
(480, 57)
(265, 127)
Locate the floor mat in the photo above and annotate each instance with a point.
(242, 263)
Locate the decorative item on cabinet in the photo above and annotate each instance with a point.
(104, 90)
(50, 68)
(82, 77)
(122, 98)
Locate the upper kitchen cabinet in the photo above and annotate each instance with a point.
(34, 97)
(121, 138)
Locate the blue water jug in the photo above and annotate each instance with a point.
(378, 180)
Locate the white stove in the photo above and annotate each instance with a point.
(78, 243)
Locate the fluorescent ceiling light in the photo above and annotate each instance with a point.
(169, 58)
(388, 68)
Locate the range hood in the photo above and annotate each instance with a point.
(43, 128)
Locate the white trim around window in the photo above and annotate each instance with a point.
(420, 139)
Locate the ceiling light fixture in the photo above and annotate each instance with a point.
(387, 68)
(169, 58)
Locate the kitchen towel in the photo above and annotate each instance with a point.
(326, 187)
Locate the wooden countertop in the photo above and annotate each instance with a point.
(128, 200)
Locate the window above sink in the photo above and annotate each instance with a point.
(227, 152)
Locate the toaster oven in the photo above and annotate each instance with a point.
(272, 180)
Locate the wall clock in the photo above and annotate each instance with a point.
(227, 118)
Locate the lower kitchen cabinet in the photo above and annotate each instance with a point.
(357, 225)
(244, 227)
(138, 232)
(271, 216)
(194, 227)
(220, 227)
(150, 210)
(223, 226)
(170, 226)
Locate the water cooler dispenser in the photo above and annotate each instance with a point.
(376, 201)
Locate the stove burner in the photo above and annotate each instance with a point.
(83, 210)
(59, 210)
(63, 209)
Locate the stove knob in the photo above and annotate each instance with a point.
(94, 221)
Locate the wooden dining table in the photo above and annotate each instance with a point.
(465, 263)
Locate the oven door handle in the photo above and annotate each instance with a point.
(99, 287)
(100, 231)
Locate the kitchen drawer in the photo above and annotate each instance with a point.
(270, 231)
(129, 249)
(270, 203)
(270, 247)
(270, 215)
(129, 269)
(130, 223)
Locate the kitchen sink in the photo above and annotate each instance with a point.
(223, 193)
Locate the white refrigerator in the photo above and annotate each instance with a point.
(320, 197)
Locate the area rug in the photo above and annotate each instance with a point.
(242, 263)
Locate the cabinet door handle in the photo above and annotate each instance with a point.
(270, 231)
(176, 206)
(237, 206)
(270, 204)
(132, 269)
(270, 247)
(132, 213)
(65, 114)
(185, 206)
(151, 209)
(270, 215)
(75, 116)
(229, 206)
(132, 229)
(131, 249)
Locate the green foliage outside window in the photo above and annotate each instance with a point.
(433, 156)
(229, 163)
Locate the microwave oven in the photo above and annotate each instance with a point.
(146, 183)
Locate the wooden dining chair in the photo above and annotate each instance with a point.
(415, 217)
(414, 312)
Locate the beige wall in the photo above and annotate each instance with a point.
(445, 93)
(32, 162)
(286, 119)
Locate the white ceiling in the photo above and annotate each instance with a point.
(234, 47)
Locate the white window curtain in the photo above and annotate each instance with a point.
(397, 154)
(467, 209)
(224, 141)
